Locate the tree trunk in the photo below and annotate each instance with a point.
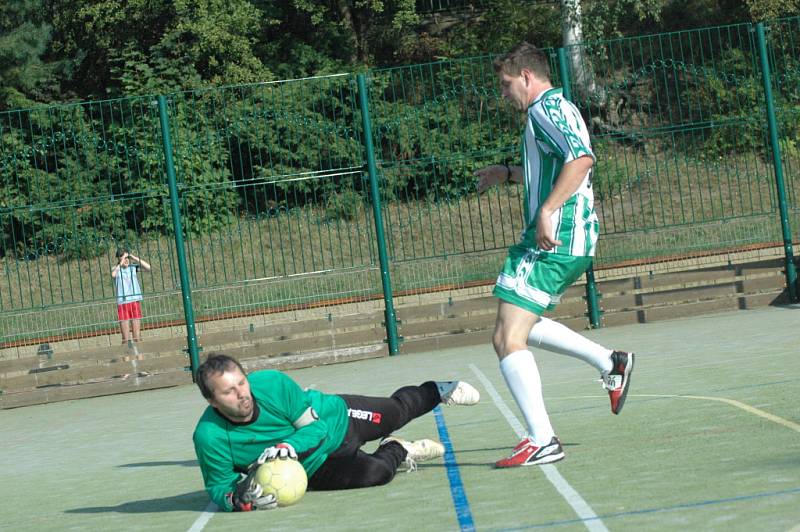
(349, 21)
(583, 78)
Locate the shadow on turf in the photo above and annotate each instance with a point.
(185, 463)
(502, 449)
(194, 501)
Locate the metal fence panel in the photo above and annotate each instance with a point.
(785, 58)
(78, 181)
(434, 125)
(275, 196)
(283, 166)
(680, 132)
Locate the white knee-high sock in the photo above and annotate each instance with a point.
(522, 376)
(559, 338)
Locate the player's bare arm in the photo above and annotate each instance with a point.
(495, 174)
(120, 261)
(143, 264)
(568, 181)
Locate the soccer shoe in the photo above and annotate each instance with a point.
(458, 393)
(526, 453)
(618, 379)
(417, 450)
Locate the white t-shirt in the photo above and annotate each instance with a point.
(126, 284)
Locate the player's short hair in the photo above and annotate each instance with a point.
(524, 56)
(121, 251)
(214, 364)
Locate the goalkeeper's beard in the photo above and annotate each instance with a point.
(242, 412)
(245, 410)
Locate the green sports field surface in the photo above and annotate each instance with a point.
(709, 440)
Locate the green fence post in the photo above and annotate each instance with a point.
(592, 295)
(389, 315)
(186, 290)
(772, 122)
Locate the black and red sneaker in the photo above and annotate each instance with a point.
(618, 379)
(527, 453)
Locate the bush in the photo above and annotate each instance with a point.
(346, 205)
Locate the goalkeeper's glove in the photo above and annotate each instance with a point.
(248, 495)
(281, 451)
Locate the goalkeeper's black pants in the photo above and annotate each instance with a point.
(372, 418)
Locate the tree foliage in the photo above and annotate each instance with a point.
(24, 37)
(121, 47)
(257, 147)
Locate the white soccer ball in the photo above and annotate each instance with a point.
(284, 478)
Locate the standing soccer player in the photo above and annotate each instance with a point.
(557, 246)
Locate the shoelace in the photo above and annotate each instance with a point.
(611, 382)
(410, 464)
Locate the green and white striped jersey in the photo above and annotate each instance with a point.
(556, 134)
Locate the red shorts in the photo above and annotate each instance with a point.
(129, 311)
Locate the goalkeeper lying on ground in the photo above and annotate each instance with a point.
(267, 416)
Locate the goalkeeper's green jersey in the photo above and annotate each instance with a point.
(225, 449)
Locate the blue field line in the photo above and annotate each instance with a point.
(683, 506)
(463, 513)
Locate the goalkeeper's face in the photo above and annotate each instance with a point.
(231, 395)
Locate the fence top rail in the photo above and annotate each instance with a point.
(69, 105)
(647, 36)
(260, 84)
(434, 63)
(153, 97)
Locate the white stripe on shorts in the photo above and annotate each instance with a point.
(519, 287)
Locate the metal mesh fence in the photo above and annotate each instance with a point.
(79, 181)
(286, 177)
(275, 196)
(785, 58)
(680, 131)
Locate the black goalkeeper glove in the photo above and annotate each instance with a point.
(249, 496)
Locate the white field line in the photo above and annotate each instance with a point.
(654, 365)
(733, 402)
(573, 498)
(738, 404)
(204, 518)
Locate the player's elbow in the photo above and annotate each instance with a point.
(584, 162)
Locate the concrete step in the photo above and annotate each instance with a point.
(278, 339)
(164, 372)
(108, 386)
(73, 369)
(652, 298)
(86, 358)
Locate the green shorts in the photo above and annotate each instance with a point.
(534, 280)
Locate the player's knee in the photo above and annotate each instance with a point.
(504, 345)
(378, 474)
(499, 343)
